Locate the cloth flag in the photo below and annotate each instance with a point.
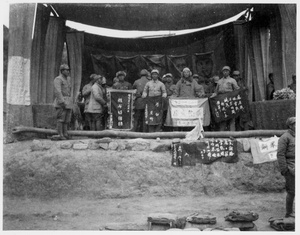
(264, 150)
(229, 105)
(120, 108)
(153, 110)
(187, 111)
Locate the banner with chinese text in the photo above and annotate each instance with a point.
(120, 108)
(229, 105)
(205, 152)
(153, 110)
(264, 150)
(186, 111)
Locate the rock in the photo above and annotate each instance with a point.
(160, 147)
(80, 146)
(39, 146)
(93, 145)
(104, 140)
(113, 145)
(137, 144)
(121, 145)
(66, 145)
(104, 146)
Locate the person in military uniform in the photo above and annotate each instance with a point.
(63, 102)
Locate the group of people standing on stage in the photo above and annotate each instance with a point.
(150, 84)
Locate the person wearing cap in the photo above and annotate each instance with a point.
(237, 76)
(139, 103)
(170, 88)
(63, 102)
(122, 84)
(187, 86)
(293, 86)
(96, 105)
(86, 93)
(154, 88)
(225, 85)
(212, 85)
(286, 162)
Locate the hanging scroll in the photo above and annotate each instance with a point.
(120, 109)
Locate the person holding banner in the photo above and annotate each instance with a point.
(225, 85)
(122, 84)
(63, 102)
(97, 105)
(188, 87)
(154, 91)
(139, 103)
(286, 162)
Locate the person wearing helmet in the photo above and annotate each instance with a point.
(139, 103)
(225, 85)
(122, 84)
(286, 162)
(63, 102)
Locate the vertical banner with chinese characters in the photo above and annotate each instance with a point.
(229, 105)
(186, 112)
(120, 109)
(153, 110)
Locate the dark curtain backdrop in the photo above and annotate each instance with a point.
(54, 43)
(169, 55)
(38, 45)
(75, 42)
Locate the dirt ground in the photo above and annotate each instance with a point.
(83, 213)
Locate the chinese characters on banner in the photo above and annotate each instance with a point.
(229, 105)
(153, 110)
(216, 149)
(205, 152)
(186, 111)
(264, 150)
(120, 109)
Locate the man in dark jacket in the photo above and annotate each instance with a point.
(286, 161)
(139, 104)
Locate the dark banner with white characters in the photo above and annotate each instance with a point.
(153, 110)
(204, 151)
(120, 108)
(229, 105)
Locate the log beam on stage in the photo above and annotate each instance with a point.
(169, 135)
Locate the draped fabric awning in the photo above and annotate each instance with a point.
(147, 16)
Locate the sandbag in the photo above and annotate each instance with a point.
(241, 216)
(282, 224)
(162, 218)
(201, 219)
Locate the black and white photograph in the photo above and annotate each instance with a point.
(153, 116)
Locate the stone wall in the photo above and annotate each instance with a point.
(117, 168)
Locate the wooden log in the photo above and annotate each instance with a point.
(154, 135)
